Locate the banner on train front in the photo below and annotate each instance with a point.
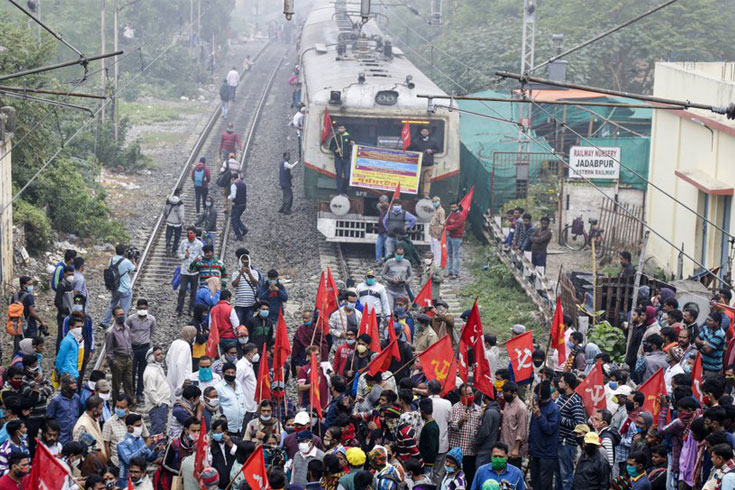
(382, 169)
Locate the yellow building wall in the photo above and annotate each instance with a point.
(6, 218)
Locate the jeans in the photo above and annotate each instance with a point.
(342, 171)
(380, 247)
(232, 92)
(225, 108)
(200, 194)
(542, 473)
(236, 223)
(159, 417)
(287, 200)
(391, 243)
(565, 470)
(190, 281)
(173, 232)
(245, 313)
(122, 373)
(453, 246)
(139, 364)
(123, 299)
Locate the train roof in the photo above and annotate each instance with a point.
(325, 71)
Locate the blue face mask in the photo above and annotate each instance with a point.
(231, 358)
(370, 281)
(399, 257)
(205, 374)
(120, 413)
(29, 288)
(2, 413)
(217, 436)
(435, 204)
(632, 470)
(613, 385)
(639, 430)
(264, 313)
(307, 322)
(449, 469)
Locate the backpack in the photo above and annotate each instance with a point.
(400, 485)
(225, 177)
(16, 322)
(111, 275)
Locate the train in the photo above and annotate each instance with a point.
(350, 69)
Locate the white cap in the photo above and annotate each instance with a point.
(623, 390)
(302, 418)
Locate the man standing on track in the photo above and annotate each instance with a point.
(233, 80)
(142, 328)
(239, 198)
(201, 177)
(284, 180)
(229, 142)
(190, 250)
(225, 97)
(341, 146)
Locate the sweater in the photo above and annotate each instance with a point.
(174, 211)
(543, 439)
(455, 224)
(429, 442)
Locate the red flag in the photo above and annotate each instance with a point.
(592, 390)
(557, 332)
(381, 362)
(443, 244)
(697, 378)
(263, 388)
(406, 136)
(326, 126)
(464, 361)
(200, 458)
(364, 321)
(213, 338)
(314, 378)
(466, 203)
(473, 328)
(396, 193)
(331, 290)
(47, 472)
(281, 349)
(374, 332)
(130, 484)
(424, 298)
(483, 377)
(393, 340)
(652, 388)
(520, 351)
(439, 364)
(254, 470)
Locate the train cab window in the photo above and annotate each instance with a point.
(386, 133)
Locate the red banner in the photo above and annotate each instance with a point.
(466, 202)
(326, 126)
(213, 338)
(557, 332)
(281, 349)
(483, 377)
(652, 388)
(592, 390)
(364, 321)
(439, 364)
(443, 244)
(396, 194)
(200, 458)
(473, 328)
(697, 378)
(47, 472)
(396, 352)
(263, 388)
(314, 378)
(254, 470)
(520, 352)
(381, 362)
(406, 136)
(464, 361)
(374, 332)
(424, 298)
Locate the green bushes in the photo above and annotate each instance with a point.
(36, 225)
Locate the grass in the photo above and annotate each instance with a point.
(151, 113)
(157, 138)
(501, 301)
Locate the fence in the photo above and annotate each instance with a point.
(532, 176)
(622, 225)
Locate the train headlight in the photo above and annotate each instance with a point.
(386, 97)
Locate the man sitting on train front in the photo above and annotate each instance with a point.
(341, 146)
(429, 147)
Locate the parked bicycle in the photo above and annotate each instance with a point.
(575, 237)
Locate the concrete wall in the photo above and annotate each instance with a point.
(694, 140)
(6, 218)
(586, 200)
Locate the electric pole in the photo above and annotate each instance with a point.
(524, 110)
(103, 46)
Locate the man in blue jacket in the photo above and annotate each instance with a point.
(499, 470)
(65, 408)
(543, 440)
(274, 293)
(133, 445)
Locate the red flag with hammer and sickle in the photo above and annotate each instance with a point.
(473, 328)
(254, 471)
(697, 378)
(520, 352)
(281, 349)
(651, 389)
(381, 362)
(592, 390)
(406, 136)
(424, 298)
(314, 394)
(483, 376)
(439, 364)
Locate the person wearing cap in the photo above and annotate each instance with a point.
(405, 352)
(397, 273)
(355, 460)
(386, 475)
(443, 321)
(372, 295)
(454, 477)
(425, 334)
(616, 404)
(274, 293)
(201, 178)
(307, 451)
(344, 318)
(382, 206)
(593, 470)
(302, 421)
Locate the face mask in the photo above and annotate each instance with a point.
(361, 349)
(104, 396)
(192, 436)
(75, 464)
(256, 358)
(629, 406)
(706, 400)
(231, 358)
(399, 257)
(212, 402)
(119, 320)
(370, 281)
(428, 261)
(208, 204)
(449, 469)
(29, 288)
(639, 430)
(538, 363)
(230, 378)
(205, 374)
(137, 431)
(350, 341)
(142, 312)
(190, 236)
(307, 322)
(468, 400)
(435, 204)
(508, 398)
(121, 413)
(243, 340)
(647, 348)
(349, 306)
(632, 470)
(266, 418)
(217, 436)
(397, 209)
(613, 385)
(277, 395)
(2, 413)
(304, 447)
(687, 368)
(76, 332)
(498, 463)
(16, 383)
(590, 449)
(77, 307)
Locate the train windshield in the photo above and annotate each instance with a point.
(386, 133)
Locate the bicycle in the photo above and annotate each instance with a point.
(574, 236)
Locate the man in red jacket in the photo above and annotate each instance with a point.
(455, 231)
(224, 319)
(230, 142)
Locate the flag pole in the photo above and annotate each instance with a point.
(402, 367)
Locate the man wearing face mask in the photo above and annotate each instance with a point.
(633, 407)
(78, 311)
(360, 358)
(248, 380)
(116, 429)
(307, 334)
(397, 273)
(307, 452)
(455, 231)
(261, 429)
(177, 449)
(514, 423)
(344, 351)
(19, 466)
(223, 450)
(156, 390)
(211, 411)
(142, 327)
(430, 269)
(119, 352)
(204, 377)
(397, 222)
(71, 458)
(636, 470)
(653, 358)
(372, 296)
(543, 439)
(274, 293)
(464, 424)
(260, 328)
(189, 251)
(63, 300)
(26, 297)
(571, 414)
(89, 422)
(436, 226)
(247, 282)
(233, 400)
(499, 470)
(134, 445)
(344, 318)
(593, 471)
(67, 360)
(35, 386)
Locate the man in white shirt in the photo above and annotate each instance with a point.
(233, 80)
(156, 390)
(372, 294)
(344, 318)
(203, 378)
(246, 377)
(442, 413)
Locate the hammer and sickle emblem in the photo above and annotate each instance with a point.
(524, 358)
(259, 479)
(441, 373)
(597, 393)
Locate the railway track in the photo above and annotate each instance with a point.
(155, 267)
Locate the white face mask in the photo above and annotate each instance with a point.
(76, 332)
(104, 396)
(92, 385)
(137, 431)
(304, 447)
(142, 312)
(212, 402)
(256, 358)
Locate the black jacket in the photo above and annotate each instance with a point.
(406, 353)
(222, 462)
(593, 473)
(208, 219)
(420, 145)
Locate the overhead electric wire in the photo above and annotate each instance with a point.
(48, 29)
(24, 96)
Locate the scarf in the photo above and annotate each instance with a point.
(631, 418)
(330, 482)
(719, 475)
